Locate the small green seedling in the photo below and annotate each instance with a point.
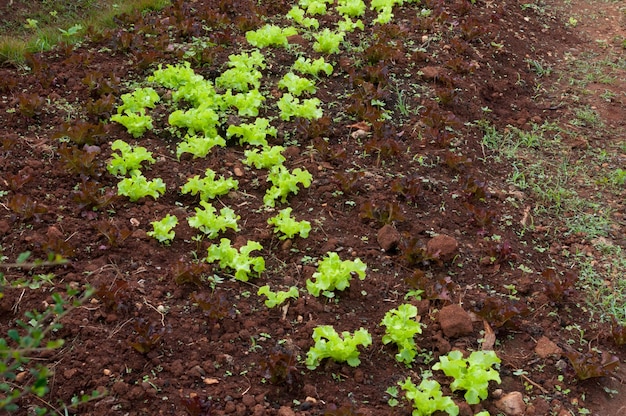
(209, 187)
(237, 260)
(400, 328)
(163, 229)
(427, 398)
(130, 158)
(137, 186)
(277, 298)
(211, 224)
(285, 224)
(329, 344)
(334, 274)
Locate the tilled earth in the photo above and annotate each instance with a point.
(414, 196)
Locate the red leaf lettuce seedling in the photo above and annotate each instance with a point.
(329, 344)
(471, 374)
(332, 273)
(240, 261)
(401, 327)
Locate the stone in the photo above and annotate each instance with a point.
(388, 238)
(286, 411)
(442, 247)
(512, 404)
(546, 348)
(455, 321)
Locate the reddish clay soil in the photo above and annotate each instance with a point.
(415, 198)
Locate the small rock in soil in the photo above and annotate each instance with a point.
(512, 404)
(443, 246)
(546, 348)
(388, 238)
(286, 411)
(454, 321)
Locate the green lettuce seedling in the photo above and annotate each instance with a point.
(314, 7)
(400, 328)
(296, 85)
(196, 120)
(471, 374)
(285, 224)
(284, 183)
(130, 158)
(277, 298)
(328, 41)
(297, 15)
(175, 76)
(349, 25)
(329, 344)
(137, 186)
(239, 261)
(246, 103)
(243, 72)
(198, 146)
(334, 274)
(265, 158)
(306, 66)
(270, 35)
(209, 187)
(291, 106)
(211, 224)
(351, 8)
(136, 123)
(252, 133)
(427, 398)
(163, 229)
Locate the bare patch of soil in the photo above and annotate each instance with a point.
(420, 174)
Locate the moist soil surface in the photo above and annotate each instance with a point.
(400, 180)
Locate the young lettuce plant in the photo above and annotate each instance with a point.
(137, 186)
(163, 229)
(298, 15)
(400, 328)
(243, 72)
(314, 7)
(349, 25)
(265, 158)
(285, 224)
(136, 123)
(277, 298)
(306, 66)
(270, 35)
(198, 146)
(239, 261)
(328, 41)
(291, 106)
(211, 224)
(132, 113)
(284, 183)
(175, 76)
(334, 274)
(252, 133)
(203, 119)
(247, 103)
(471, 374)
(209, 187)
(296, 85)
(329, 344)
(129, 159)
(351, 8)
(427, 398)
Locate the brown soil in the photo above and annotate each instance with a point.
(424, 168)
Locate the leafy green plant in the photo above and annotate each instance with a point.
(129, 159)
(174, 76)
(400, 328)
(237, 260)
(252, 133)
(427, 398)
(136, 123)
(334, 274)
(291, 106)
(209, 187)
(306, 66)
(349, 25)
(163, 229)
(284, 223)
(137, 186)
(296, 85)
(284, 183)
(328, 41)
(298, 15)
(211, 224)
(247, 103)
(277, 298)
(329, 344)
(198, 146)
(265, 158)
(132, 113)
(351, 8)
(315, 6)
(270, 35)
(202, 119)
(471, 374)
